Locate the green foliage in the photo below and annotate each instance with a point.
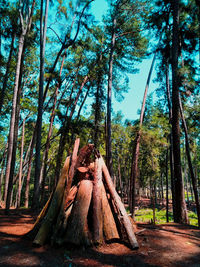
(146, 216)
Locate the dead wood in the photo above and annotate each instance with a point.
(37, 224)
(97, 204)
(61, 215)
(84, 156)
(71, 196)
(54, 208)
(123, 214)
(109, 226)
(72, 167)
(77, 231)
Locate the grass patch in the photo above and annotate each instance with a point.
(146, 216)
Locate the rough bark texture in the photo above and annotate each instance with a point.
(180, 215)
(109, 102)
(124, 216)
(77, 229)
(136, 148)
(109, 226)
(3, 90)
(21, 166)
(193, 177)
(53, 210)
(97, 204)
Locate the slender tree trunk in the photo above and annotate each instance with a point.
(186, 183)
(180, 215)
(15, 136)
(20, 167)
(13, 114)
(8, 177)
(2, 172)
(170, 136)
(29, 169)
(2, 93)
(136, 148)
(109, 102)
(47, 146)
(43, 29)
(97, 111)
(167, 187)
(193, 178)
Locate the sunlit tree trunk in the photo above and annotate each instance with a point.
(43, 29)
(136, 146)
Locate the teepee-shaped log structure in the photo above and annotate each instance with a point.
(85, 208)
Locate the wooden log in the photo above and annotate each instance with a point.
(109, 226)
(39, 219)
(60, 226)
(71, 196)
(59, 240)
(61, 215)
(84, 156)
(72, 167)
(54, 208)
(77, 231)
(123, 214)
(97, 204)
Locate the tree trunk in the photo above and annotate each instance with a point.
(97, 204)
(2, 94)
(15, 136)
(180, 215)
(193, 178)
(29, 169)
(136, 149)
(8, 178)
(109, 102)
(20, 167)
(170, 137)
(43, 29)
(13, 114)
(167, 187)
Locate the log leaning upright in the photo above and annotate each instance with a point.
(124, 216)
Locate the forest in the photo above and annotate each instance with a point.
(61, 69)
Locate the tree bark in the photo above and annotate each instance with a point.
(8, 178)
(180, 215)
(136, 148)
(124, 217)
(2, 94)
(193, 178)
(109, 102)
(97, 204)
(43, 29)
(77, 229)
(54, 208)
(21, 166)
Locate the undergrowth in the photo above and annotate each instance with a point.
(146, 215)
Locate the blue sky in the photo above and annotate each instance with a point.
(133, 99)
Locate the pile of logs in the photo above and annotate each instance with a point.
(85, 208)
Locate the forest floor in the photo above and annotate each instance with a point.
(169, 245)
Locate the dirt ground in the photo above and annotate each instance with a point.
(169, 245)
